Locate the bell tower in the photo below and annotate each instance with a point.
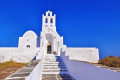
(48, 22)
(50, 40)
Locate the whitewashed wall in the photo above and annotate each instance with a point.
(83, 54)
(17, 54)
(83, 71)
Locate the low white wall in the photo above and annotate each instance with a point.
(36, 73)
(83, 54)
(17, 54)
(83, 71)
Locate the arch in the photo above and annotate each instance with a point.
(49, 43)
(46, 20)
(51, 20)
(49, 14)
(49, 35)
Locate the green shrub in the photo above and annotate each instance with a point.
(110, 61)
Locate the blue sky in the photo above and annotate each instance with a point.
(83, 23)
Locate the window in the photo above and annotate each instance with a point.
(51, 20)
(46, 20)
(28, 46)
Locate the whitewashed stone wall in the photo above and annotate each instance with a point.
(83, 54)
(17, 54)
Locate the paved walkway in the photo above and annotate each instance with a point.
(24, 72)
(53, 68)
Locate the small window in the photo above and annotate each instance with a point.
(51, 20)
(46, 20)
(28, 46)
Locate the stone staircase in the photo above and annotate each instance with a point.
(53, 68)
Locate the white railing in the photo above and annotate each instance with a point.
(36, 74)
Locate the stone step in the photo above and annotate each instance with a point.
(52, 61)
(54, 70)
(56, 64)
(52, 58)
(54, 67)
(53, 64)
(55, 73)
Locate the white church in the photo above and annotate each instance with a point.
(50, 43)
(56, 60)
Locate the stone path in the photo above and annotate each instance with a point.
(24, 72)
(53, 68)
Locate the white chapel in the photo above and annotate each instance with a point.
(56, 61)
(50, 42)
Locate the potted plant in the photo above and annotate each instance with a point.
(54, 52)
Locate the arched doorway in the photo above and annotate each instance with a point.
(49, 48)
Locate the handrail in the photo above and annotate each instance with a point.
(36, 74)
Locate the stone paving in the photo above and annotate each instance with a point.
(24, 72)
(53, 68)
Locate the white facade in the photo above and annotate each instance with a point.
(49, 37)
(50, 42)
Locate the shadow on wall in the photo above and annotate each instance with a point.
(34, 58)
(38, 42)
(63, 71)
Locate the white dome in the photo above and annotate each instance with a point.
(30, 33)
